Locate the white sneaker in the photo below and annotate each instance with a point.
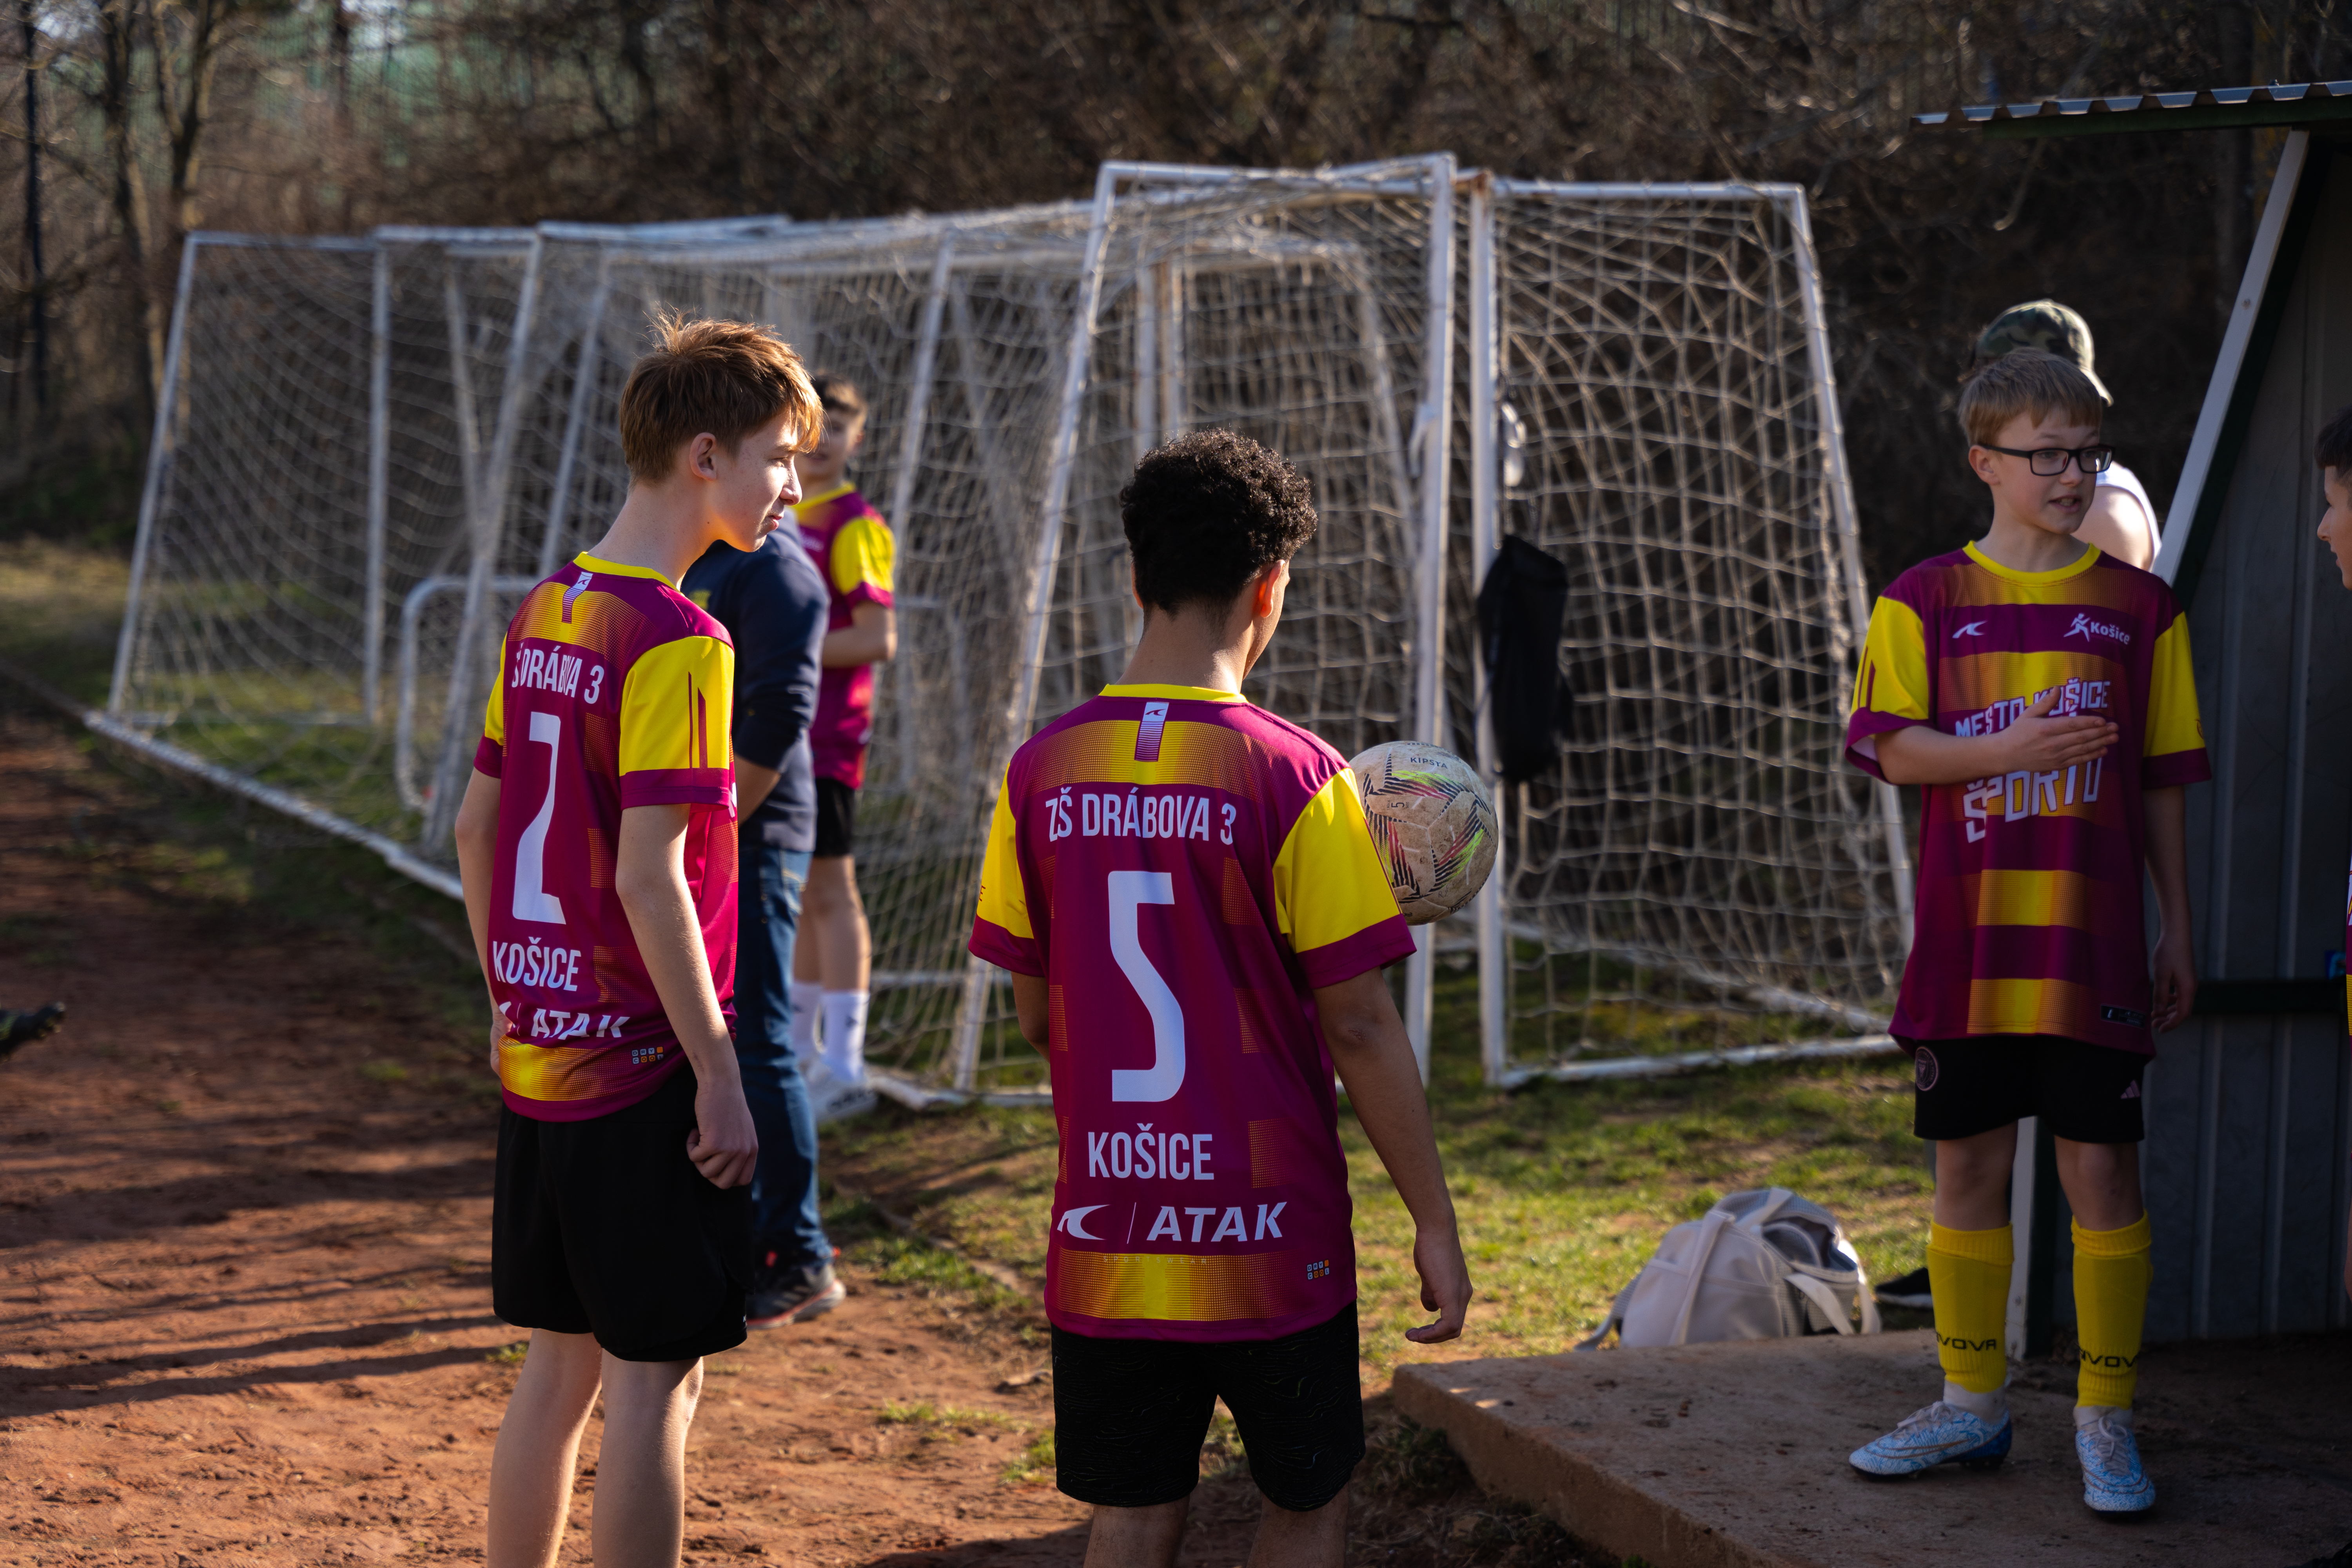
(2114, 1480)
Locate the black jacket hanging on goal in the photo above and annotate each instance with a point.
(1520, 609)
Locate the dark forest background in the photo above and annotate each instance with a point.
(153, 117)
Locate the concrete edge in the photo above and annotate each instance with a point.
(1508, 1461)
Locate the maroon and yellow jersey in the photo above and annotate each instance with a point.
(613, 692)
(2029, 917)
(852, 548)
(1183, 870)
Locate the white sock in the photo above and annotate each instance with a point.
(844, 1034)
(1986, 1407)
(2119, 1413)
(808, 999)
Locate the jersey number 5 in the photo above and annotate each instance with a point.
(533, 901)
(1128, 891)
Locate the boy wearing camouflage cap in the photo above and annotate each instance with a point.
(2122, 520)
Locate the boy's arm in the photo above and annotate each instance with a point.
(1375, 1060)
(1029, 1005)
(870, 637)
(477, 847)
(649, 874)
(1918, 754)
(2174, 970)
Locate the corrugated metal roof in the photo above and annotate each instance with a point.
(2280, 103)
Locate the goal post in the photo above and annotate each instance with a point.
(1314, 311)
(1700, 877)
(367, 449)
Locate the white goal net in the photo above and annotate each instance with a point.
(1701, 874)
(368, 448)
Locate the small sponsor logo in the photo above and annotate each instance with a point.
(1318, 1269)
(1148, 733)
(1952, 1342)
(2086, 628)
(2131, 1090)
(2130, 1017)
(1973, 630)
(2108, 1363)
(1074, 1223)
(1926, 1069)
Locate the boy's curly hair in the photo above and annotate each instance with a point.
(1207, 511)
(726, 378)
(2028, 382)
(2334, 447)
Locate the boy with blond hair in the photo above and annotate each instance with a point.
(2040, 693)
(597, 845)
(852, 545)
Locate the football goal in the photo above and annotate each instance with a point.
(368, 448)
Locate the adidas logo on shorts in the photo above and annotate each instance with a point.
(2131, 1090)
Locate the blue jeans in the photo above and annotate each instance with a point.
(785, 1216)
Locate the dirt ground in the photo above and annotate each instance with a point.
(244, 1220)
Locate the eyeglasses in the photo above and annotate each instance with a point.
(2051, 461)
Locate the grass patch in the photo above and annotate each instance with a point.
(1033, 1463)
(938, 1417)
(1563, 1189)
(60, 610)
(508, 1355)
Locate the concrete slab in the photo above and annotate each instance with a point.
(1733, 1456)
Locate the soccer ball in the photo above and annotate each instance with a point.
(1431, 825)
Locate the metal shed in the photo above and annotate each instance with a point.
(2250, 1102)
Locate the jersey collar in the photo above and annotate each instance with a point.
(598, 565)
(2011, 575)
(1183, 694)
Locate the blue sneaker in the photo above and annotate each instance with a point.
(2113, 1479)
(1939, 1434)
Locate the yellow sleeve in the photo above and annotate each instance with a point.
(862, 554)
(1003, 901)
(494, 713)
(1328, 887)
(1893, 678)
(2173, 722)
(674, 724)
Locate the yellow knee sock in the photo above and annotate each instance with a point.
(2112, 1269)
(1967, 1271)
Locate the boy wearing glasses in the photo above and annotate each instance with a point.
(2040, 693)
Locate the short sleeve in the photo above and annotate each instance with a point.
(675, 705)
(2173, 751)
(1332, 898)
(862, 557)
(1001, 930)
(490, 751)
(1891, 690)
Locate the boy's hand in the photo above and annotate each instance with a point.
(2174, 977)
(1445, 1284)
(724, 1146)
(2043, 744)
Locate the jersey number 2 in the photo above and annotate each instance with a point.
(1128, 891)
(533, 901)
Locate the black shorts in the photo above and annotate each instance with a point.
(836, 817)
(605, 1227)
(1129, 1415)
(2086, 1093)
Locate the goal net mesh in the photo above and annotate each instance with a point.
(1701, 869)
(371, 447)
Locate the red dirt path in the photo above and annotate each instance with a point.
(246, 1306)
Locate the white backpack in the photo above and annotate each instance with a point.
(1759, 1266)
